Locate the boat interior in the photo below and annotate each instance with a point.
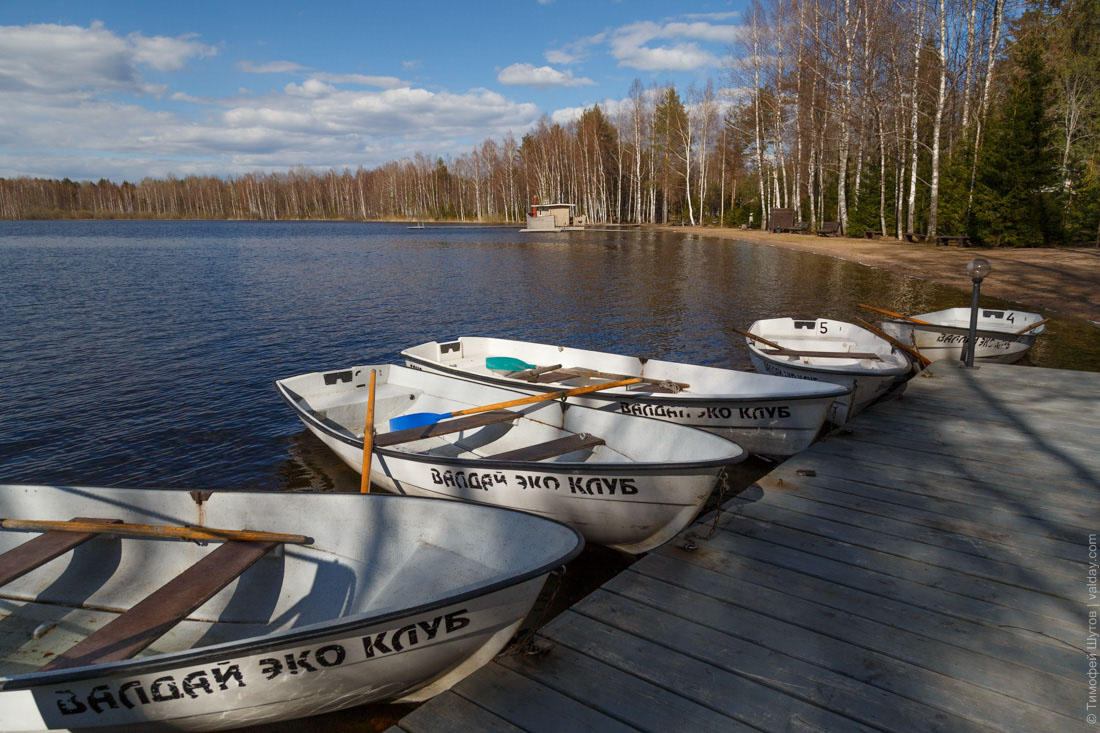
(71, 598)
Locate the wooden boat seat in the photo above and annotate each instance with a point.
(154, 616)
(549, 449)
(661, 386)
(36, 552)
(443, 427)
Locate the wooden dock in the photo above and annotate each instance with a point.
(926, 569)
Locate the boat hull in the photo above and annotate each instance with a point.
(629, 509)
(391, 599)
(868, 380)
(765, 415)
(394, 661)
(946, 337)
(866, 388)
(651, 482)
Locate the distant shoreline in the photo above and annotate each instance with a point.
(1063, 280)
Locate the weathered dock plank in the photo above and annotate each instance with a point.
(923, 569)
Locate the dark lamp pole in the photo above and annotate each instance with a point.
(977, 269)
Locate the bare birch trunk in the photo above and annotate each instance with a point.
(937, 125)
(914, 119)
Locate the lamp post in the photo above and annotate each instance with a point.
(978, 269)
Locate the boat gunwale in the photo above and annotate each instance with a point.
(565, 467)
(262, 644)
(650, 398)
(893, 371)
(978, 332)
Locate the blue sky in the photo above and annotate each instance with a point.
(125, 90)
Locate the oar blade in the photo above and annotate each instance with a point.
(507, 364)
(416, 420)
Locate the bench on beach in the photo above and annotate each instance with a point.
(914, 238)
(872, 235)
(828, 229)
(946, 240)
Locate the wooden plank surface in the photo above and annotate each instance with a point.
(152, 617)
(444, 427)
(39, 550)
(550, 448)
(923, 568)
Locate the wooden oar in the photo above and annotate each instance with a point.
(532, 374)
(418, 419)
(754, 337)
(1035, 325)
(894, 342)
(586, 372)
(895, 315)
(368, 438)
(154, 530)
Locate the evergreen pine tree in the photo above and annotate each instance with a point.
(1017, 191)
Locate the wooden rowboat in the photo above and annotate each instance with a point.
(1003, 336)
(764, 414)
(824, 350)
(343, 600)
(622, 481)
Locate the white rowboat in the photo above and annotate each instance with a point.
(766, 415)
(622, 481)
(383, 598)
(825, 350)
(947, 332)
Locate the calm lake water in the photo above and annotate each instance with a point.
(143, 353)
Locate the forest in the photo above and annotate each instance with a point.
(976, 117)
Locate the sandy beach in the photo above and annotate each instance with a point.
(1065, 281)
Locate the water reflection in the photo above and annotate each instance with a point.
(142, 353)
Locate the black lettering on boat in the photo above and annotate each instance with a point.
(576, 486)
(101, 696)
(764, 413)
(169, 682)
(134, 685)
(410, 632)
(454, 621)
(338, 654)
(70, 705)
(407, 636)
(302, 662)
(196, 681)
(378, 643)
(271, 668)
(431, 628)
(222, 676)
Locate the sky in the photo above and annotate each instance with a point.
(126, 90)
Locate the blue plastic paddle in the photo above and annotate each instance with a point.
(419, 419)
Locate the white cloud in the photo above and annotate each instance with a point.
(385, 82)
(271, 67)
(540, 77)
(628, 45)
(168, 54)
(651, 46)
(575, 51)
